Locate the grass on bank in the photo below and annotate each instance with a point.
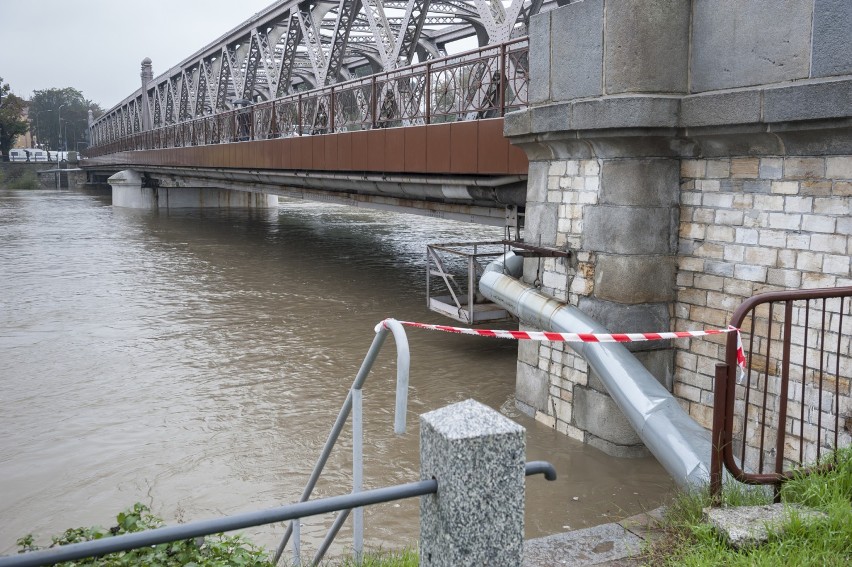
(402, 558)
(686, 541)
(26, 180)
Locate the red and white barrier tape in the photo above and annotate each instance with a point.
(586, 337)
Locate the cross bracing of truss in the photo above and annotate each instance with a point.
(293, 46)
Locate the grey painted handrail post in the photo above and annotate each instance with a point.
(297, 541)
(477, 516)
(357, 473)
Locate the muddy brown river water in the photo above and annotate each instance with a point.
(196, 360)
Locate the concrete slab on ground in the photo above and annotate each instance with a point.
(748, 526)
(614, 545)
(591, 546)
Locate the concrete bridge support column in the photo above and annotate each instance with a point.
(128, 191)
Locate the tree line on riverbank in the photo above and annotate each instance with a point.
(55, 119)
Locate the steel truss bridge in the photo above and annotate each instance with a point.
(320, 67)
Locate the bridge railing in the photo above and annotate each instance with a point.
(483, 83)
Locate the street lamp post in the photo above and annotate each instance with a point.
(59, 134)
(65, 135)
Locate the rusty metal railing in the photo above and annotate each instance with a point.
(483, 83)
(793, 403)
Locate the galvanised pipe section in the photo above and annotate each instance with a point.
(681, 445)
(357, 472)
(403, 360)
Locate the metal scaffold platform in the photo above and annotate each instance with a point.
(452, 273)
(453, 270)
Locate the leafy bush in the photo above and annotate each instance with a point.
(216, 551)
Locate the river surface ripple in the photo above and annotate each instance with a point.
(196, 360)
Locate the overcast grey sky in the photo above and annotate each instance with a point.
(97, 46)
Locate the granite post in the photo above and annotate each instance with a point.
(477, 516)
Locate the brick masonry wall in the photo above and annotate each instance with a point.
(568, 186)
(750, 225)
(662, 241)
(747, 225)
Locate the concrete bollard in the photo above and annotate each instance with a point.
(477, 517)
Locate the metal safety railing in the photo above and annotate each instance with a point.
(483, 83)
(353, 502)
(218, 525)
(353, 405)
(203, 528)
(791, 404)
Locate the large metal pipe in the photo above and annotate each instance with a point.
(680, 444)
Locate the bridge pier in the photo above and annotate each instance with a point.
(128, 191)
(618, 216)
(677, 153)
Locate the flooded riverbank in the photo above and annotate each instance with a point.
(195, 361)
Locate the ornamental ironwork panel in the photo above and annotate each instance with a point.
(483, 83)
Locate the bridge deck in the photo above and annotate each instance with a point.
(465, 148)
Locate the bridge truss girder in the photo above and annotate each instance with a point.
(269, 56)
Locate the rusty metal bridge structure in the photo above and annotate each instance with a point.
(341, 100)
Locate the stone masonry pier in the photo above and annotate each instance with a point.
(689, 154)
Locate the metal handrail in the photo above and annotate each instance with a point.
(218, 525)
(344, 504)
(465, 86)
(353, 404)
(760, 344)
(202, 528)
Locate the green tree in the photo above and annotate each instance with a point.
(11, 124)
(60, 118)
